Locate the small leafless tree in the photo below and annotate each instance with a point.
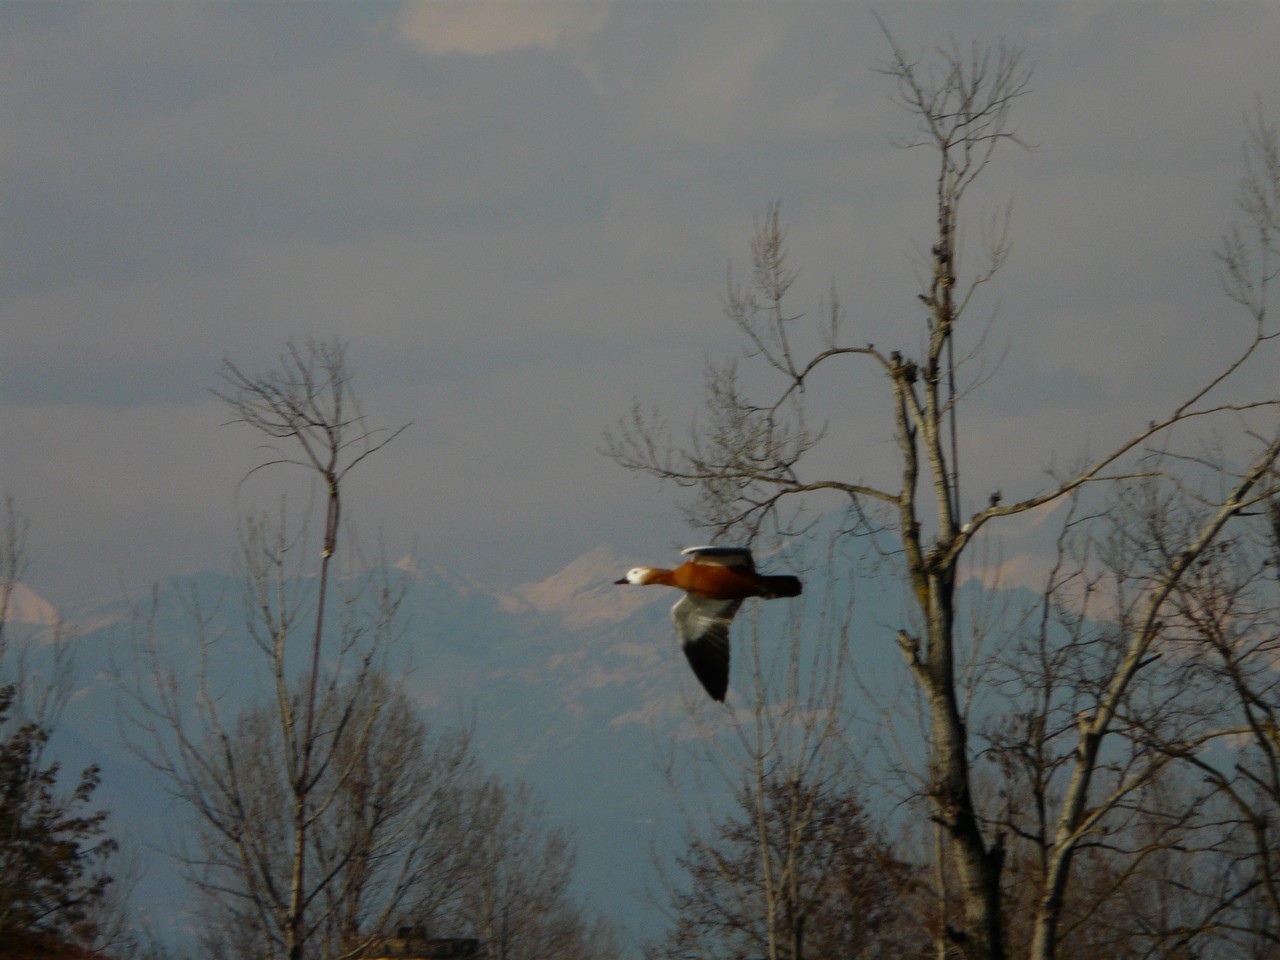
(802, 872)
(384, 843)
(514, 883)
(798, 868)
(752, 457)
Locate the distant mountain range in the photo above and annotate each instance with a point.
(573, 683)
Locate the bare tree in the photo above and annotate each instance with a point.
(752, 458)
(55, 887)
(327, 812)
(384, 845)
(803, 873)
(1228, 607)
(13, 562)
(798, 867)
(1173, 530)
(1221, 636)
(53, 850)
(40, 672)
(514, 885)
(1146, 863)
(329, 707)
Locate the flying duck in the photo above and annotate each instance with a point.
(715, 581)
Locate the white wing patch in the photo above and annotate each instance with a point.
(702, 625)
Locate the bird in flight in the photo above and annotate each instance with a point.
(715, 581)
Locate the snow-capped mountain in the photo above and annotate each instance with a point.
(27, 606)
(573, 683)
(568, 681)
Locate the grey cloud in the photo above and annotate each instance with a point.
(519, 244)
(133, 166)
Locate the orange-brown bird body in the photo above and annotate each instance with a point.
(719, 582)
(715, 580)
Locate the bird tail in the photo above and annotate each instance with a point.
(783, 586)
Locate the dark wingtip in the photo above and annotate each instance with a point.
(715, 682)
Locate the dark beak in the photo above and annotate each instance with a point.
(623, 580)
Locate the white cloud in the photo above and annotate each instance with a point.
(484, 26)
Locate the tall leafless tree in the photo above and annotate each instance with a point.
(329, 812)
(384, 843)
(1179, 566)
(329, 708)
(754, 456)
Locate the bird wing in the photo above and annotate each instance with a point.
(724, 556)
(702, 625)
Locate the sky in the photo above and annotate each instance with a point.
(520, 216)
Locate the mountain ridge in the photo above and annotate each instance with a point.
(570, 682)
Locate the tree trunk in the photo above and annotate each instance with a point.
(977, 867)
